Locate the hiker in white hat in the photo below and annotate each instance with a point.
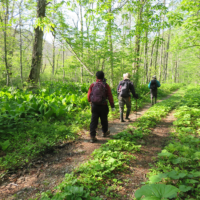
(153, 85)
(124, 88)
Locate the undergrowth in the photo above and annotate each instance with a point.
(98, 176)
(33, 123)
(177, 169)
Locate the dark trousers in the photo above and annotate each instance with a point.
(153, 95)
(99, 111)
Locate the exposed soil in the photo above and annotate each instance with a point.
(49, 170)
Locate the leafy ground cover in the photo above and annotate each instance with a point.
(33, 123)
(177, 171)
(99, 175)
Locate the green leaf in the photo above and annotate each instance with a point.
(5, 145)
(196, 174)
(157, 178)
(184, 188)
(156, 190)
(151, 198)
(165, 153)
(175, 175)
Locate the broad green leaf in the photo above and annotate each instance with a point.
(157, 178)
(156, 190)
(165, 153)
(184, 188)
(150, 198)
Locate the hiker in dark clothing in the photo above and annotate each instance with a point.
(97, 95)
(124, 88)
(153, 85)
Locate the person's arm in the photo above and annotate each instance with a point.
(149, 85)
(89, 92)
(118, 87)
(158, 83)
(109, 95)
(132, 89)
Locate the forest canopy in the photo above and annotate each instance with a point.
(71, 40)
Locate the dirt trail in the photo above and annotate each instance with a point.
(151, 146)
(49, 170)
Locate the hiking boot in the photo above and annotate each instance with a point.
(127, 114)
(93, 140)
(106, 134)
(121, 117)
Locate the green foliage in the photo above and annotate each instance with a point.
(155, 113)
(177, 163)
(110, 158)
(48, 117)
(71, 192)
(156, 192)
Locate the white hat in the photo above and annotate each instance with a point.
(154, 76)
(127, 76)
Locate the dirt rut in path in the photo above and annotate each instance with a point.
(138, 169)
(49, 170)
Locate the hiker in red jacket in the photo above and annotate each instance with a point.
(98, 93)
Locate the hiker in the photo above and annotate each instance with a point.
(153, 85)
(124, 88)
(98, 92)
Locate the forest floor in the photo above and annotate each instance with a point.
(49, 170)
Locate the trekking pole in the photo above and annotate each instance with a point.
(136, 109)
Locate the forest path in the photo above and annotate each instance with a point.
(49, 170)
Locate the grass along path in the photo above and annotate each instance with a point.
(49, 170)
(178, 167)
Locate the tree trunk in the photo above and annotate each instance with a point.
(81, 42)
(161, 50)
(63, 63)
(151, 61)
(167, 54)
(37, 46)
(54, 48)
(146, 56)
(137, 41)
(5, 44)
(156, 57)
(111, 46)
(20, 35)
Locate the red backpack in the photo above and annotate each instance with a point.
(98, 94)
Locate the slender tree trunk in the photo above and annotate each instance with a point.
(164, 61)
(146, 56)
(151, 60)
(156, 57)
(63, 63)
(20, 34)
(54, 54)
(5, 44)
(81, 42)
(38, 45)
(176, 70)
(167, 54)
(111, 46)
(137, 41)
(161, 49)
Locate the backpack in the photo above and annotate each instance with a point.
(153, 85)
(124, 89)
(98, 94)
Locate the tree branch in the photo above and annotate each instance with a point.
(86, 68)
(192, 46)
